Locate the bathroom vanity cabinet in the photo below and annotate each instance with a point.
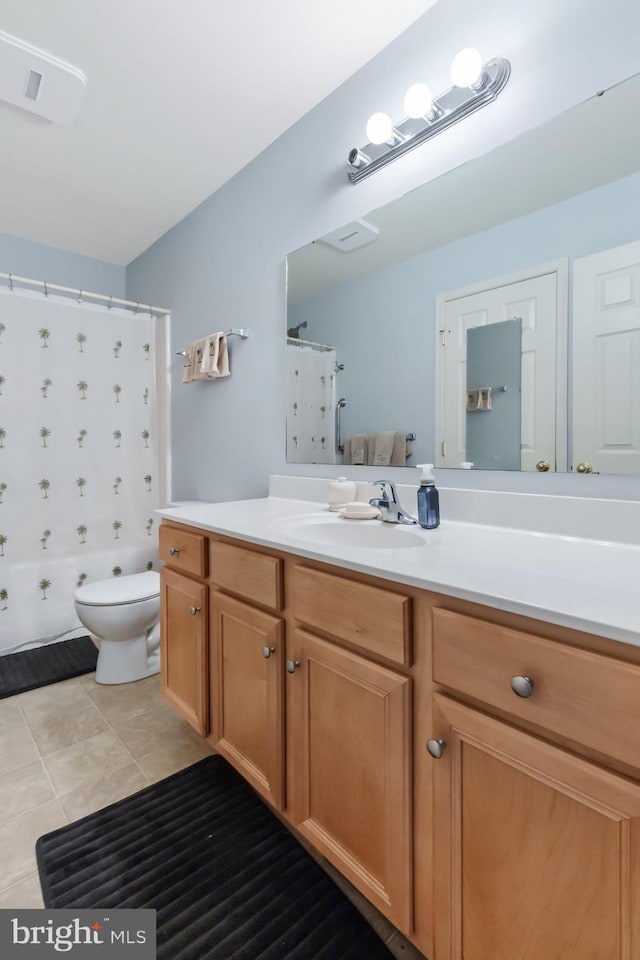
(475, 774)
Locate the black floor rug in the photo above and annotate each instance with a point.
(227, 879)
(48, 664)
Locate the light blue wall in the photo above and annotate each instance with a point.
(40, 262)
(224, 265)
(393, 385)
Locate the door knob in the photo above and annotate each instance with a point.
(267, 651)
(292, 665)
(436, 748)
(543, 466)
(174, 551)
(522, 686)
(194, 611)
(584, 467)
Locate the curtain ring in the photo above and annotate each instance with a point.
(109, 304)
(46, 292)
(79, 296)
(137, 309)
(10, 283)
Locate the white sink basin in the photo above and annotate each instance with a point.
(338, 532)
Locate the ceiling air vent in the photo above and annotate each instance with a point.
(353, 235)
(39, 82)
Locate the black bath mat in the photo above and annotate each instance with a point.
(48, 664)
(227, 879)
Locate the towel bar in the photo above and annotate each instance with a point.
(243, 332)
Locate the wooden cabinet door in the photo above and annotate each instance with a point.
(183, 653)
(537, 851)
(351, 731)
(247, 709)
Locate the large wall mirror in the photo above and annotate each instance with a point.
(490, 317)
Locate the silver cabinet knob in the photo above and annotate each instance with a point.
(436, 748)
(267, 651)
(292, 665)
(194, 611)
(522, 686)
(174, 551)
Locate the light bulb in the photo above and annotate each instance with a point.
(379, 128)
(466, 68)
(418, 101)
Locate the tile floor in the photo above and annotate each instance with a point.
(69, 749)
(73, 747)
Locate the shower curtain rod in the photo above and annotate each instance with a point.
(298, 342)
(82, 294)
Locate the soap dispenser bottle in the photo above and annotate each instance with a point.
(428, 499)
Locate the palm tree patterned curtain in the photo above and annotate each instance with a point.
(78, 457)
(311, 404)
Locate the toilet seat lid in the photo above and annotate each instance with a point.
(130, 589)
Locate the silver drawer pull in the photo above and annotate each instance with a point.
(292, 665)
(174, 551)
(267, 651)
(522, 686)
(436, 748)
(194, 611)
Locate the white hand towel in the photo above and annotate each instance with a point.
(215, 360)
(357, 449)
(187, 370)
(399, 451)
(199, 348)
(383, 448)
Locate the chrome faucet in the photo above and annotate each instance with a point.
(388, 504)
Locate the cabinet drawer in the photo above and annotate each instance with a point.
(375, 620)
(183, 550)
(249, 574)
(586, 697)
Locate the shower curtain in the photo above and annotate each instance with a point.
(79, 457)
(311, 403)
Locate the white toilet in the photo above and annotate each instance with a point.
(124, 613)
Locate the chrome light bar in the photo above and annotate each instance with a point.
(449, 108)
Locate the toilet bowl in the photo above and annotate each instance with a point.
(124, 614)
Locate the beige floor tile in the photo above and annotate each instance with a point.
(17, 749)
(56, 698)
(122, 702)
(23, 789)
(93, 796)
(171, 757)
(85, 762)
(25, 895)
(87, 679)
(53, 692)
(18, 838)
(11, 716)
(154, 729)
(55, 726)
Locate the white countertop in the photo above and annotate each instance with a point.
(590, 585)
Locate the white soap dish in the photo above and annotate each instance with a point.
(359, 511)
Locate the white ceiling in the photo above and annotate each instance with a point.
(180, 96)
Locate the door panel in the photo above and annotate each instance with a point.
(183, 637)
(606, 361)
(534, 301)
(247, 713)
(353, 802)
(536, 850)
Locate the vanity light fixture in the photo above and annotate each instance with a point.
(475, 85)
